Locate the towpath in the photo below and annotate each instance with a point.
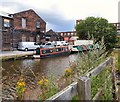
(5, 55)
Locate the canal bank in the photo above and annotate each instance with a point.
(7, 55)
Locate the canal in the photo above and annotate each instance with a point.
(12, 70)
(48, 66)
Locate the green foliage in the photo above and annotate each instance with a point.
(119, 61)
(99, 27)
(116, 54)
(89, 60)
(52, 89)
(118, 42)
(103, 80)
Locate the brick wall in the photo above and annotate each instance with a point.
(30, 32)
(31, 18)
(7, 34)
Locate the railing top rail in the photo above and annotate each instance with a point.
(65, 94)
(99, 68)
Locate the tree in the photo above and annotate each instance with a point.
(99, 27)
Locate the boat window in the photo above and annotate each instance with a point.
(46, 51)
(58, 49)
(51, 50)
(75, 46)
(43, 51)
(65, 49)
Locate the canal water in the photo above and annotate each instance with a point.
(48, 66)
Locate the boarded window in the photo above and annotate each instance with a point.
(23, 38)
(6, 38)
(23, 22)
(31, 39)
(37, 24)
(6, 23)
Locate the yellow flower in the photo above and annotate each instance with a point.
(20, 87)
(43, 82)
(21, 83)
(68, 71)
(23, 89)
(40, 82)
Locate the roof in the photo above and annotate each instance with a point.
(28, 11)
(51, 32)
(74, 38)
(4, 14)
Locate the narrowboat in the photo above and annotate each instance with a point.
(52, 52)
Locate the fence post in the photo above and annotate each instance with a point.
(84, 88)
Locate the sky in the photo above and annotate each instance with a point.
(61, 15)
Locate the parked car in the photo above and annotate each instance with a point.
(27, 46)
(47, 45)
(61, 43)
(64, 43)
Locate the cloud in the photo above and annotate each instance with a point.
(57, 21)
(60, 15)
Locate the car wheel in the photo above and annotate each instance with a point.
(26, 49)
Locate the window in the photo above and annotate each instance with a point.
(6, 38)
(37, 24)
(58, 49)
(6, 23)
(23, 22)
(71, 33)
(31, 39)
(48, 44)
(23, 38)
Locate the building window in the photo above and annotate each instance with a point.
(23, 22)
(23, 38)
(31, 39)
(37, 24)
(61, 34)
(6, 38)
(6, 23)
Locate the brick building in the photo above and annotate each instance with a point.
(6, 23)
(67, 35)
(22, 26)
(28, 26)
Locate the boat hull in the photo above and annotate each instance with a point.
(55, 55)
(46, 53)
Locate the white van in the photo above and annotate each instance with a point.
(27, 46)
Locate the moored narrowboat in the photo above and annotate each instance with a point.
(52, 52)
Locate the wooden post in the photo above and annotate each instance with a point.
(84, 88)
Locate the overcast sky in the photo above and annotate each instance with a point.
(61, 15)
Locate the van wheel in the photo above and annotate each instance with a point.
(26, 49)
